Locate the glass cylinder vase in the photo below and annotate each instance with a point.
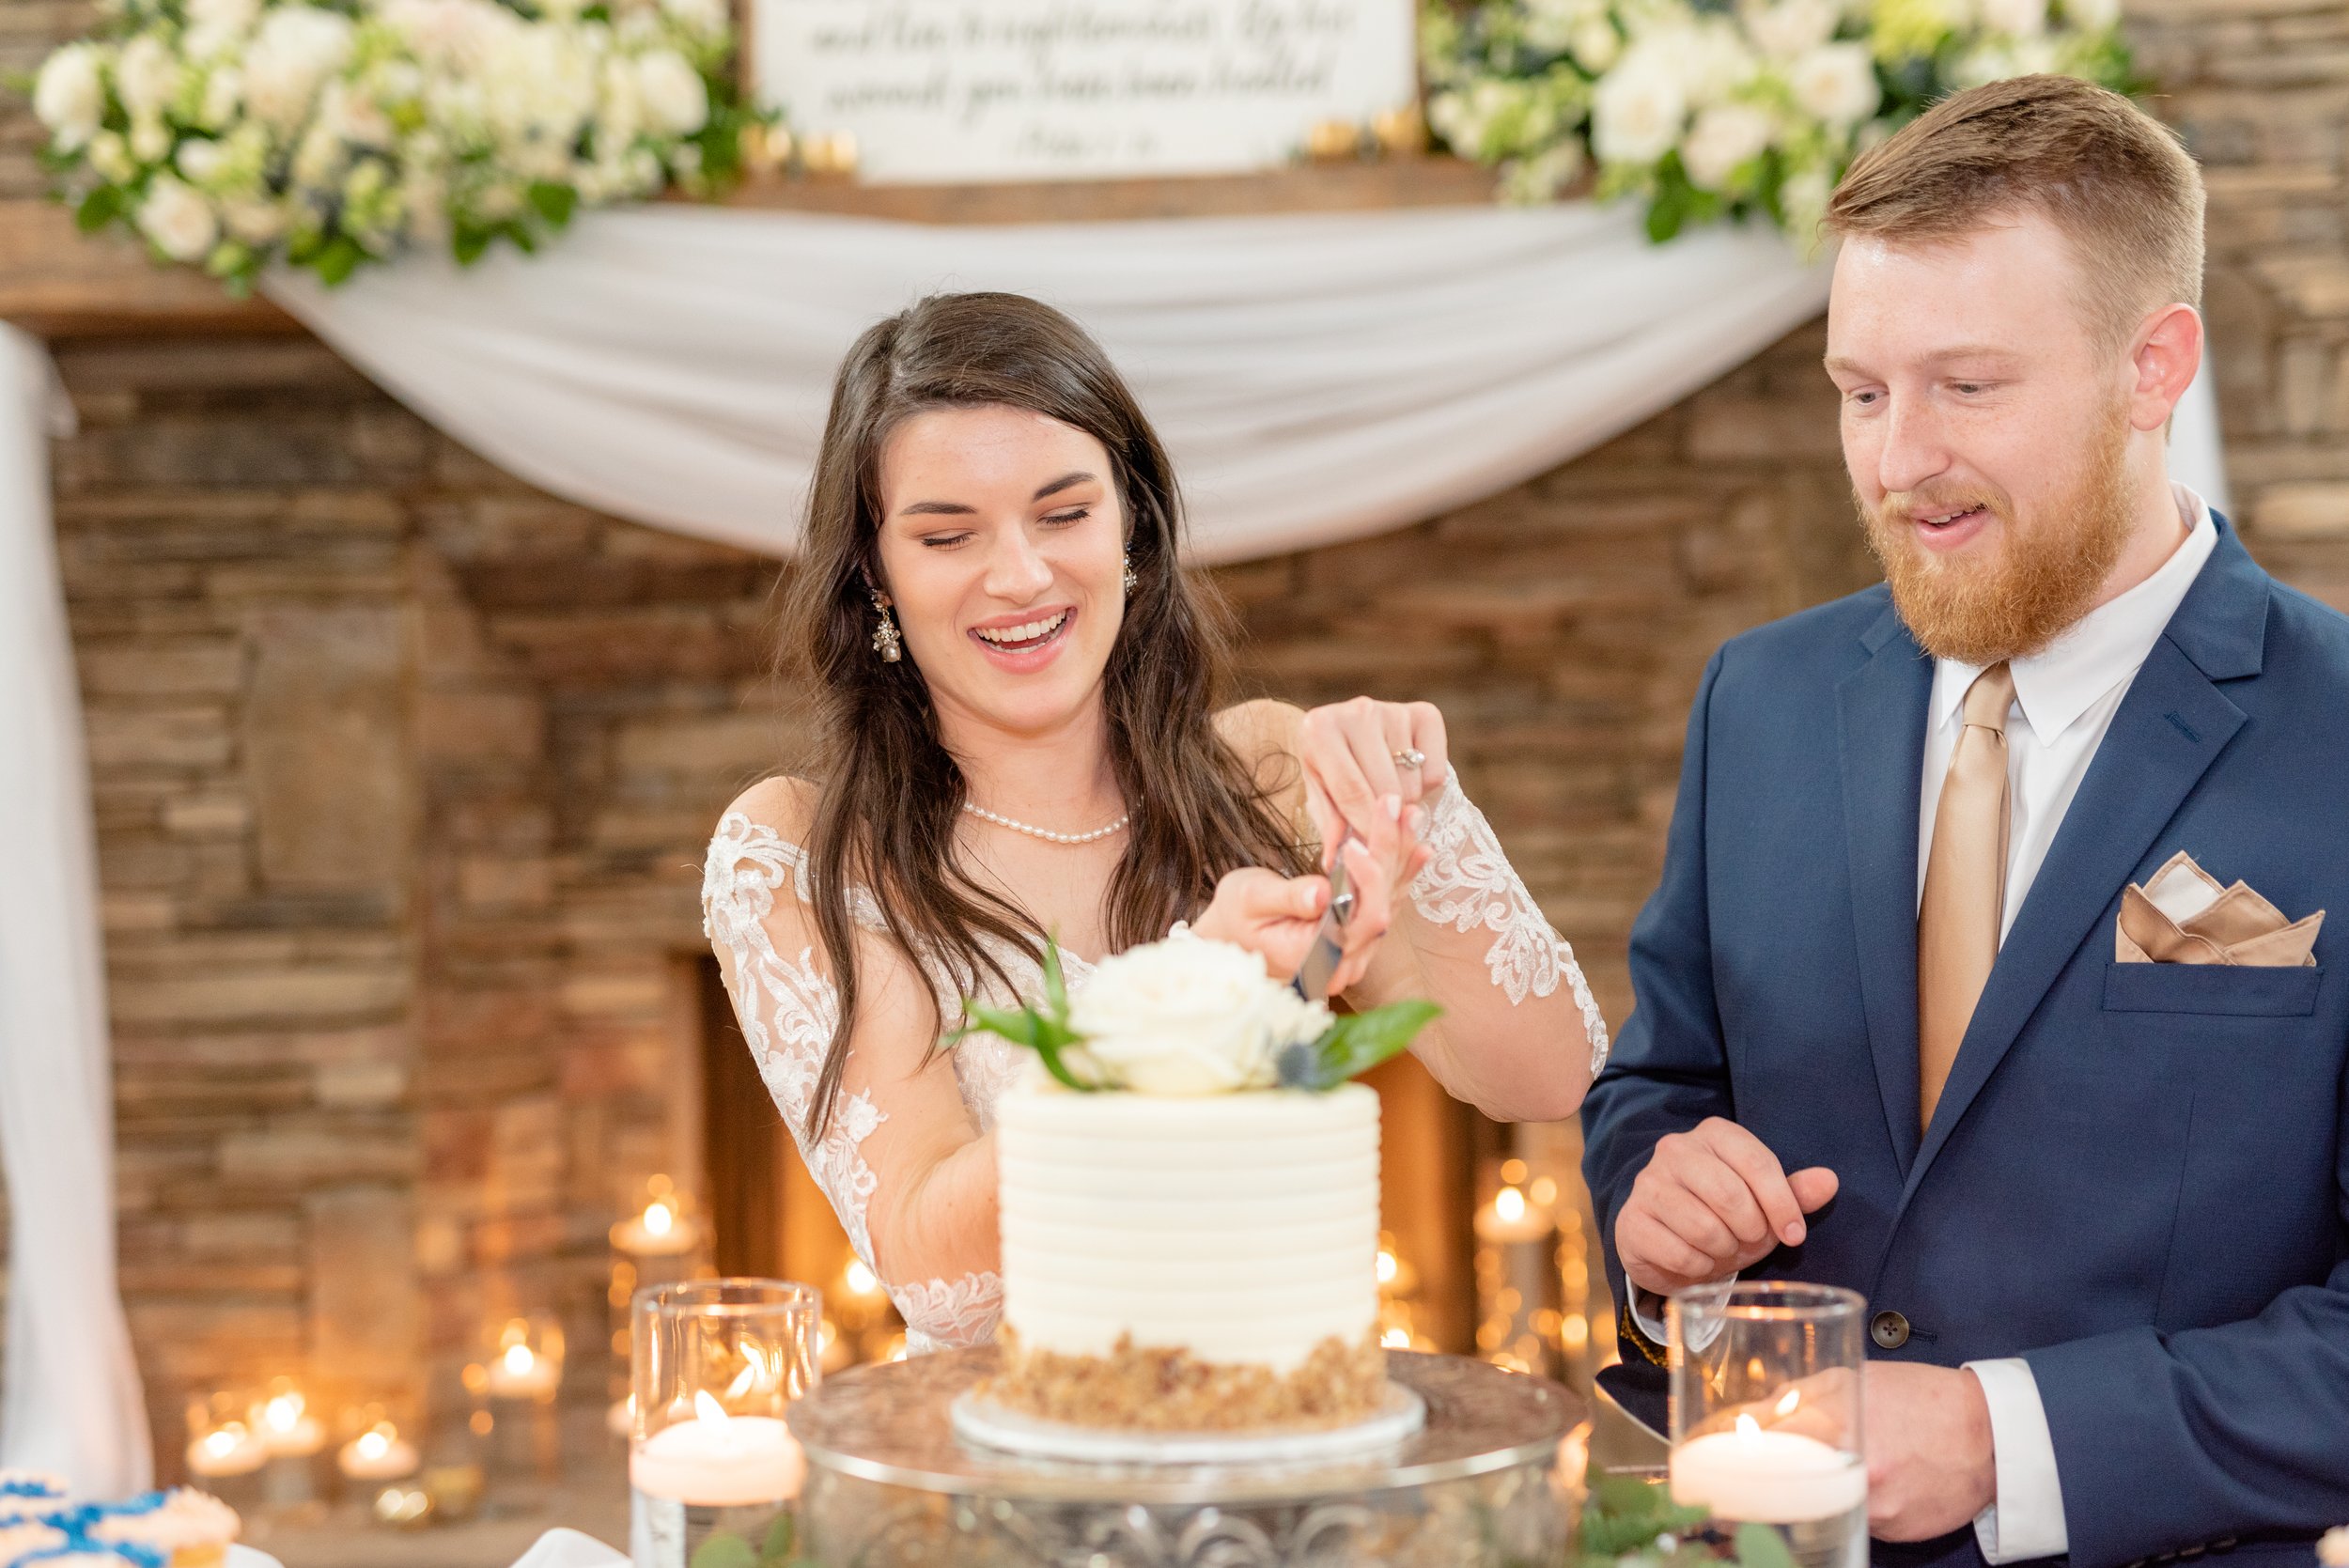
(1766, 1378)
(716, 1363)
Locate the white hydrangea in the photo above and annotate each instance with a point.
(215, 26)
(1724, 136)
(1596, 45)
(1550, 24)
(1790, 28)
(297, 48)
(675, 99)
(178, 219)
(70, 96)
(2021, 18)
(146, 75)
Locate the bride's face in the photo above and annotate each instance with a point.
(1001, 545)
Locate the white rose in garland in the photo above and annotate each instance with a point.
(178, 219)
(236, 135)
(1708, 109)
(70, 96)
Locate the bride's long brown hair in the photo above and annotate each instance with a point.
(889, 794)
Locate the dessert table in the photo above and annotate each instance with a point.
(1477, 1486)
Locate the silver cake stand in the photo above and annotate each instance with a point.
(890, 1485)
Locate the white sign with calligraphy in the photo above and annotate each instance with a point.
(1060, 90)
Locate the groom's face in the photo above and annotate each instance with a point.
(1985, 427)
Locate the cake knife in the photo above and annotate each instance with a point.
(1321, 960)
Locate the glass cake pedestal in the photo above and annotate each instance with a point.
(1476, 1486)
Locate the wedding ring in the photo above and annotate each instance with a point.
(1410, 757)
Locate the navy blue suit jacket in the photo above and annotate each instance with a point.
(2137, 1175)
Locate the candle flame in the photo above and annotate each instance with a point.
(708, 1408)
(1386, 1267)
(1786, 1406)
(373, 1444)
(1396, 1339)
(859, 1279)
(658, 1219)
(1747, 1428)
(283, 1413)
(519, 1360)
(225, 1440)
(1509, 1204)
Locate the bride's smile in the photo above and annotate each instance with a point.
(1003, 552)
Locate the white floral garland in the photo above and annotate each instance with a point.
(230, 134)
(1706, 109)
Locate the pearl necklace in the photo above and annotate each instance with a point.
(1116, 827)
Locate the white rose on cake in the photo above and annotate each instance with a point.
(70, 96)
(1188, 1016)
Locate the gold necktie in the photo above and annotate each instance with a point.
(1957, 922)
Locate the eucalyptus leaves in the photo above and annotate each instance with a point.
(1188, 1016)
(1705, 109)
(230, 134)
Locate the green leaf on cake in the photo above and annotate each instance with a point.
(1355, 1043)
(1044, 1030)
(724, 1551)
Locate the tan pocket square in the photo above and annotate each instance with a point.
(2182, 916)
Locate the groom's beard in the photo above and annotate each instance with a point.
(2042, 575)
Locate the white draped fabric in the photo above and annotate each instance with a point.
(69, 1400)
(1316, 377)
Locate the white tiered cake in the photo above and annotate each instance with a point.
(1190, 1263)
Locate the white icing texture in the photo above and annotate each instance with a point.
(1243, 1228)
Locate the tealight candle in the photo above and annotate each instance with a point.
(287, 1428)
(660, 1231)
(1766, 1477)
(718, 1461)
(518, 1372)
(1509, 1217)
(230, 1449)
(379, 1453)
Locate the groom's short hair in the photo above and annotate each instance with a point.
(2109, 176)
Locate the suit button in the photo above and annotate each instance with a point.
(1888, 1329)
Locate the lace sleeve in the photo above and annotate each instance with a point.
(1468, 886)
(788, 1008)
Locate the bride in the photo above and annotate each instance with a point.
(1019, 737)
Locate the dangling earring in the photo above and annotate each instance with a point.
(885, 639)
(1133, 578)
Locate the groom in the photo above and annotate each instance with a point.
(1896, 1029)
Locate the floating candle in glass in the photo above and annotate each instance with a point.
(1766, 1383)
(716, 1365)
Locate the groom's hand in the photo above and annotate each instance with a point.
(1711, 1201)
(1931, 1464)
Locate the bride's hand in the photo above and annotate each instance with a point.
(1275, 917)
(1360, 780)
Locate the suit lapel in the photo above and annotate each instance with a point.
(2169, 728)
(1882, 731)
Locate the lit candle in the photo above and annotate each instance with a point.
(1510, 1218)
(379, 1453)
(1772, 1478)
(230, 1449)
(718, 1461)
(518, 1372)
(660, 1231)
(287, 1428)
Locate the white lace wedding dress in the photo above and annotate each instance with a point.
(787, 1005)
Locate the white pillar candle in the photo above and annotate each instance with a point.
(1772, 1478)
(718, 1461)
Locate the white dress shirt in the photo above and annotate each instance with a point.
(2068, 693)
